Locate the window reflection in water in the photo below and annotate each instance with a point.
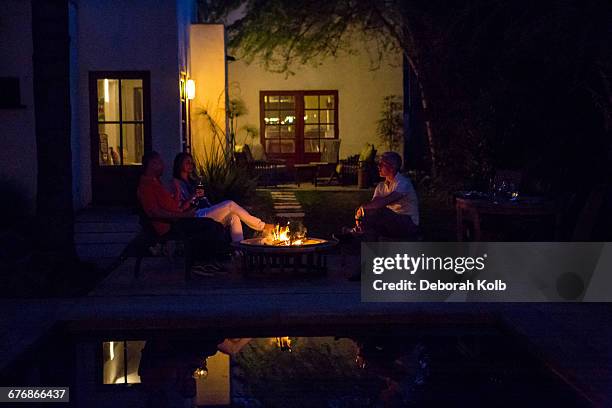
(358, 371)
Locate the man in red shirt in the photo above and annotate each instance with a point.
(155, 200)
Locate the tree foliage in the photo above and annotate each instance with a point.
(390, 128)
(503, 83)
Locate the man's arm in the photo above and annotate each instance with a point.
(380, 202)
(160, 204)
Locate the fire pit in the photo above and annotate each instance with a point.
(283, 250)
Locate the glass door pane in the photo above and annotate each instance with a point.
(280, 121)
(131, 100)
(109, 136)
(133, 144)
(108, 100)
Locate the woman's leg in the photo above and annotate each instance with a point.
(222, 211)
(235, 228)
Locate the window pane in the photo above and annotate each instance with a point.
(131, 99)
(328, 131)
(327, 101)
(272, 146)
(272, 132)
(327, 116)
(108, 100)
(311, 116)
(287, 117)
(311, 146)
(287, 102)
(287, 132)
(109, 144)
(287, 146)
(311, 102)
(311, 131)
(272, 117)
(115, 364)
(133, 144)
(271, 102)
(134, 349)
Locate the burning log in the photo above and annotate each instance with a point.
(284, 236)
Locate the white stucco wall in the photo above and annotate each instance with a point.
(17, 127)
(360, 91)
(137, 35)
(207, 68)
(185, 15)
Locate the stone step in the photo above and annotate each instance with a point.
(290, 215)
(97, 227)
(96, 251)
(119, 218)
(104, 237)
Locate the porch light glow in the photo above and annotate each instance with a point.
(190, 89)
(106, 93)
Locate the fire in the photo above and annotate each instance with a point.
(283, 236)
(283, 343)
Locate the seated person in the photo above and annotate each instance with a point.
(155, 200)
(393, 211)
(185, 185)
(160, 205)
(226, 212)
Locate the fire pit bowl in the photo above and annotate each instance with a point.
(264, 253)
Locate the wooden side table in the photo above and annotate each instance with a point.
(472, 209)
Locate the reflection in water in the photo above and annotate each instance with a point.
(357, 371)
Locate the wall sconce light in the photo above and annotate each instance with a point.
(190, 89)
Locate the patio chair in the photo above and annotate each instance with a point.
(330, 152)
(268, 171)
(140, 247)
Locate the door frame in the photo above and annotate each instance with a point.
(116, 184)
(299, 156)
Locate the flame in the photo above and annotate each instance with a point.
(283, 343)
(282, 236)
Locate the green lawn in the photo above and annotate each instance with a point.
(327, 212)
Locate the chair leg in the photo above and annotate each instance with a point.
(333, 176)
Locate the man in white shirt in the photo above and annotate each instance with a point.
(394, 209)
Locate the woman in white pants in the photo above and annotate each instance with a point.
(227, 212)
(232, 215)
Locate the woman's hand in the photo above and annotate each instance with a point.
(194, 199)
